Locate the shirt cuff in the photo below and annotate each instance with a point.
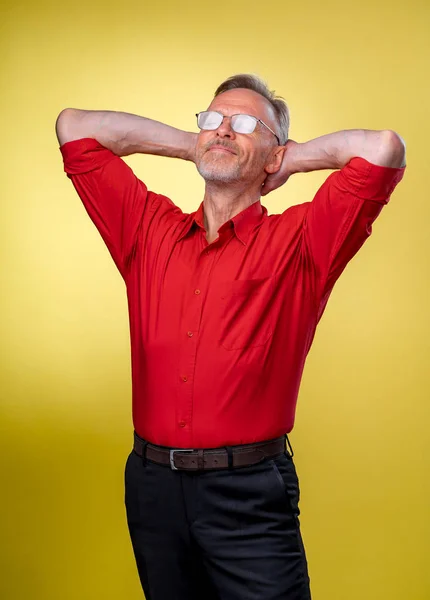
(369, 181)
(84, 155)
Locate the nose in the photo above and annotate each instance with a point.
(225, 130)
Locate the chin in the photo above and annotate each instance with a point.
(218, 173)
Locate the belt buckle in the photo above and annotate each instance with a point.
(172, 458)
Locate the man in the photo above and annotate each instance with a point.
(223, 308)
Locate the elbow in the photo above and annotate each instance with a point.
(393, 149)
(65, 125)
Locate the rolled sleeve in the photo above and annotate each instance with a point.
(85, 155)
(368, 181)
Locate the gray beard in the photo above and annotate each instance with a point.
(214, 173)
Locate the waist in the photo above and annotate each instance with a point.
(203, 459)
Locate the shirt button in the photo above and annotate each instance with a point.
(182, 423)
(190, 334)
(207, 252)
(197, 292)
(184, 378)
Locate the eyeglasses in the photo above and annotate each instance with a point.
(210, 120)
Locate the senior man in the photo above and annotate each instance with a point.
(223, 306)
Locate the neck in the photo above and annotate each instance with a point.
(223, 202)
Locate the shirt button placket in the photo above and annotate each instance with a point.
(184, 421)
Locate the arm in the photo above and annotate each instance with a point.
(119, 204)
(333, 151)
(369, 165)
(124, 133)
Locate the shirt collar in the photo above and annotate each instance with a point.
(243, 223)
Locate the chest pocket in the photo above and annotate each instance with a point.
(246, 313)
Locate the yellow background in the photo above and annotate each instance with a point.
(361, 438)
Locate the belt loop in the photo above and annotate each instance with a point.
(289, 445)
(144, 445)
(200, 459)
(229, 456)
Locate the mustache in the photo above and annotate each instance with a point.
(223, 145)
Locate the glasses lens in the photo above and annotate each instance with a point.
(209, 120)
(243, 123)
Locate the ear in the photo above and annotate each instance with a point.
(275, 160)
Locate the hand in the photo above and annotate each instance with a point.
(287, 168)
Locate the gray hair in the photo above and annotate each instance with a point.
(253, 82)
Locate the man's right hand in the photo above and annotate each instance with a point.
(125, 133)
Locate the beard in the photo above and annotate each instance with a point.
(221, 168)
(219, 173)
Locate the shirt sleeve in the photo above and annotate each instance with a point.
(340, 217)
(118, 203)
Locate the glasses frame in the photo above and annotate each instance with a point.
(256, 119)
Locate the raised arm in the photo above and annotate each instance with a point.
(333, 151)
(367, 167)
(125, 134)
(120, 205)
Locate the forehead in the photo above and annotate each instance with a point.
(243, 101)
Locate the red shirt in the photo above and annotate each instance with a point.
(220, 331)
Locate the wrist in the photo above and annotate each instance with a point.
(294, 157)
(298, 154)
(190, 150)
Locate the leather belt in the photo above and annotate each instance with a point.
(210, 458)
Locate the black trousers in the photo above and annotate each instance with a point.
(224, 535)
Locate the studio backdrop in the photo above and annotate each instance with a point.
(361, 437)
